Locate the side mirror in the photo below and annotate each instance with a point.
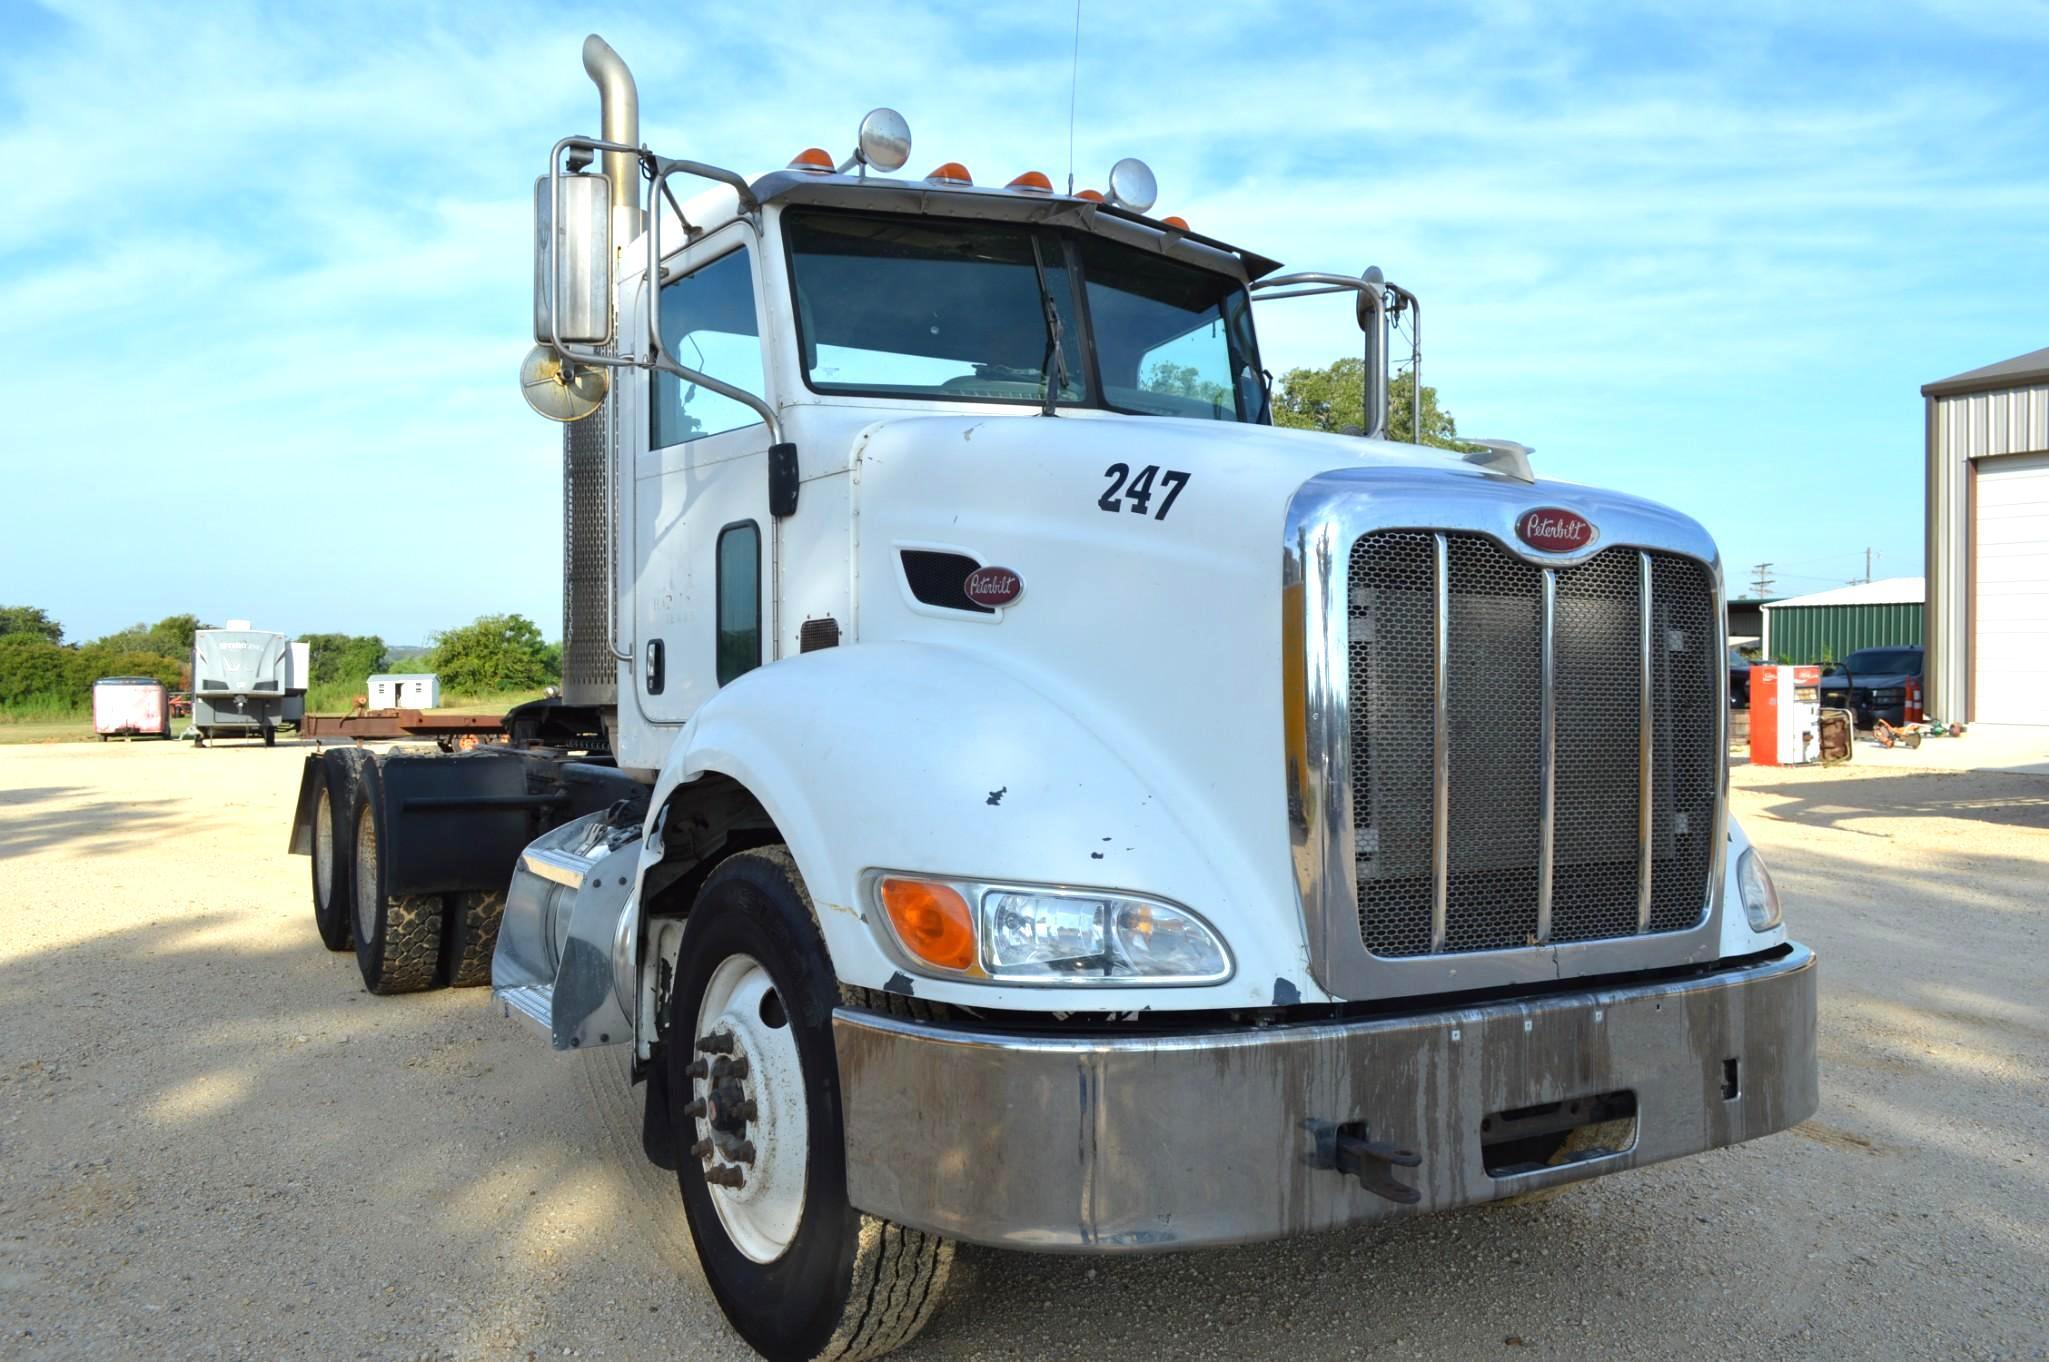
(573, 260)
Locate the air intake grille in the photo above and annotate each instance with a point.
(1535, 662)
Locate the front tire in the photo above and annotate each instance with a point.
(761, 1156)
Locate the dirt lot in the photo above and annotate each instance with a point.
(214, 1144)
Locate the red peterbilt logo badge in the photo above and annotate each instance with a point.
(1554, 529)
(991, 587)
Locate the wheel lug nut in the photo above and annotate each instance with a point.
(701, 1150)
(696, 1108)
(729, 1068)
(717, 1043)
(725, 1176)
(697, 1069)
(739, 1151)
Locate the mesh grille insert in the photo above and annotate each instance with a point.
(1494, 672)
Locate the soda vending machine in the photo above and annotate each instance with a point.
(1785, 715)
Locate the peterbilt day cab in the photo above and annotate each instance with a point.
(1007, 790)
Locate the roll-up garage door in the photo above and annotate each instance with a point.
(2012, 569)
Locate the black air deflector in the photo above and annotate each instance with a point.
(941, 579)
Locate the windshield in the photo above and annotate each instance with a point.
(1884, 660)
(932, 308)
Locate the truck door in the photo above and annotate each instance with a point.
(700, 504)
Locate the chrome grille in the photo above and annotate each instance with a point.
(1552, 816)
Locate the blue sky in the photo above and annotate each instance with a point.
(267, 267)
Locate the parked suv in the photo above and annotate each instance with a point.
(1872, 683)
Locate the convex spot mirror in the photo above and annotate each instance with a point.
(573, 259)
(885, 140)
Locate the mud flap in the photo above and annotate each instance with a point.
(311, 776)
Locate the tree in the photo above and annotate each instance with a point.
(345, 660)
(1334, 399)
(31, 620)
(171, 636)
(495, 653)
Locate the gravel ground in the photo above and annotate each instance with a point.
(213, 1143)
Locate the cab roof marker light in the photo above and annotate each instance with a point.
(1092, 195)
(953, 172)
(1178, 222)
(1032, 180)
(814, 159)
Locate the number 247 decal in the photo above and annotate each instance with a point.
(1137, 493)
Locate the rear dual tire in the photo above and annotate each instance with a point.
(800, 1273)
(398, 937)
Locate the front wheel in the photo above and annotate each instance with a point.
(754, 1084)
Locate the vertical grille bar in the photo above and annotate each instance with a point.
(1547, 753)
(1440, 756)
(1645, 764)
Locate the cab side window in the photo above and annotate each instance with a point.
(708, 324)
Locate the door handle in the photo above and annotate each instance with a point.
(653, 675)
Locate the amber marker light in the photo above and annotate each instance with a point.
(1180, 222)
(814, 159)
(931, 921)
(1033, 180)
(1092, 195)
(953, 172)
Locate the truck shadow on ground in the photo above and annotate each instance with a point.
(37, 818)
(2000, 798)
(427, 1127)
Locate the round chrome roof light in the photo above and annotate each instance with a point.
(1132, 185)
(885, 140)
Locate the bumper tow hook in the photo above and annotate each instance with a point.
(1347, 1148)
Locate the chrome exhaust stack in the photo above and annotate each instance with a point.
(619, 100)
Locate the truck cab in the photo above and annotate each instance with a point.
(1021, 795)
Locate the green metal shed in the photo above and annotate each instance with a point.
(1829, 625)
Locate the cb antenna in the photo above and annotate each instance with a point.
(1073, 84)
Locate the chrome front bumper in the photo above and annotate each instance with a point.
(1176, 1140)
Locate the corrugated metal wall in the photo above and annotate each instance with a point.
(1817, 633)
(1960, 429)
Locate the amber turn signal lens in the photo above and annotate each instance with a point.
(932, 921)
(815, 159)
(953, 172)
(1092, 195)
(1172, 221)
(1034, 180)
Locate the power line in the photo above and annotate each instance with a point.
(1761, 582)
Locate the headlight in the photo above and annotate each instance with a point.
(1030, 935)
(1760, 895)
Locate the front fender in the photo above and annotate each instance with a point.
(909, 756)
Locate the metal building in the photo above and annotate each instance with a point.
(1988, 542)
(1827, 626)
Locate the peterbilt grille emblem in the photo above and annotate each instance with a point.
(991, 587)
(1554, 529)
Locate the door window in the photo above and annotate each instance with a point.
(739, 608)
(708, 324)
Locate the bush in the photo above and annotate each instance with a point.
(496, 653)
(38, 674)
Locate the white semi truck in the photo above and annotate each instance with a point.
(1005, 790)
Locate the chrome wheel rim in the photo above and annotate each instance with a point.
(741, 1022)
(323, 850)
(366, 877)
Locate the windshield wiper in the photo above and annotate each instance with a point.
(1053, 369)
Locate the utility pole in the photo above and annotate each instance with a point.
(1761, 580)
(1867, 564)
